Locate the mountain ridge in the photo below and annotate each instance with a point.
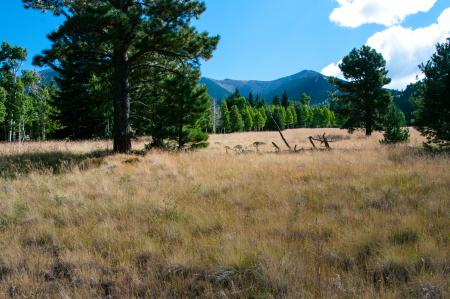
(310, 82)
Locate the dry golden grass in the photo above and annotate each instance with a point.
(364, 220)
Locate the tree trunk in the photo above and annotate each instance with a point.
(121, 87)
(369, 128)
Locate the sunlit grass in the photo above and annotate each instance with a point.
(363, 220)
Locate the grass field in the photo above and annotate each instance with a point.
(363, 220)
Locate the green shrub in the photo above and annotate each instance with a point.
(394, 131)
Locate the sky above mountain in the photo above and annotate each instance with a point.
(269, 39)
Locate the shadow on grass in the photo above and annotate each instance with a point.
(12, 166)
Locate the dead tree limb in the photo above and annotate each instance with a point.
(279, 131)
(322, 139)
(276, 146)
(312, 142)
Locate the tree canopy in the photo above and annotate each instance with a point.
(433, 98)
(361, 100)
(121, 37)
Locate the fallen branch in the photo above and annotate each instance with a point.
(281, 133)
(322, 139)
(312, 142)
(276, 146)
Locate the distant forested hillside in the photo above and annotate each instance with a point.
(312, 83)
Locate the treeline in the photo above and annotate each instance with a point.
(77, 104)
(240, 114)
(26, 108)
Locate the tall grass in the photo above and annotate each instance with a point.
(363, 220)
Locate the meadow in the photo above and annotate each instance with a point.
(363, 220)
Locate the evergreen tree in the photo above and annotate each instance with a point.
(276, 101)
(276, 118)
(126, 33)
(285, 100)
(305, 99)
(225, 121)
(236, 99)
(394, 122)
(205, 122)
(362, 100)
(433, 114)
(237, 124)
(259, 102)
(404, 101)
(251, 100)
(185, 103)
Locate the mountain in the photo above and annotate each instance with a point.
(215, 89)
(310, 82)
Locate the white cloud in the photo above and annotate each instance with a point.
(354, 13)
(332, 70)
(405, 48)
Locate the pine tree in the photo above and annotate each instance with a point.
(276, 101)
(433, 98)
(126, 33)
(236, 99)
(237, 124)
(362, 99)
(251, 100)
(394, 122)
(259, 102)
(185, 103)
(276, 118)
(285, 100)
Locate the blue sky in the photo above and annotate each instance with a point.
(268, 39)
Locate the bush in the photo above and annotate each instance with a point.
(394, 132)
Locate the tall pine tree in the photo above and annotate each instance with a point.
(362, 99)
(133, 34)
